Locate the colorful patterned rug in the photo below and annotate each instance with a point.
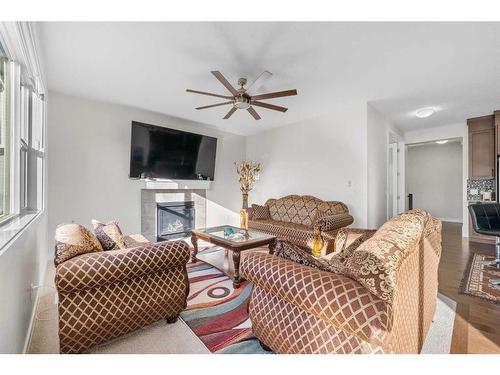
(476, 278)
(216, 312)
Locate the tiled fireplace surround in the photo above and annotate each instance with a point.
(150, 197)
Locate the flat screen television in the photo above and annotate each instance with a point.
(158, 152)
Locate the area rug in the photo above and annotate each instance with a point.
(218, 314)
(476, 278)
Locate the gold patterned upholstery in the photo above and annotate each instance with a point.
(293, 218)
(107, 294)
(302, 209)
(299, 309)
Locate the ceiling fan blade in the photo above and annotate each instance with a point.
(225, 82)
(230, 113)
(214, 105)
(257, 84)
(210, 94)
(277, 94)
(253, 113)
(269, 106)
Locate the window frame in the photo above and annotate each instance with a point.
(22, 112)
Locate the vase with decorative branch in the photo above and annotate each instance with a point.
(248, 172)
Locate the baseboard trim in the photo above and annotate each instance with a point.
(29, 334)
(450, 220)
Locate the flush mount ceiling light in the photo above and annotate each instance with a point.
(442, 142)
(425, 112)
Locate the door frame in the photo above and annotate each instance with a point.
(397, 148)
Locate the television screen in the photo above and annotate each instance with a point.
(158, 152)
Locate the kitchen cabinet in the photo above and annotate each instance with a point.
(482, 147)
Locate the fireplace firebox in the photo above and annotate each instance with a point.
(174, 220)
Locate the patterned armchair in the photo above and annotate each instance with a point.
(105, 294)
(382, 301)
(294, 217)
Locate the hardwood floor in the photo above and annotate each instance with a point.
(477, 322)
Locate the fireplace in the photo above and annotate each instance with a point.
(174, 220)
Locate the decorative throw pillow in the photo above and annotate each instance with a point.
(375, 263)
(73, 240)
(109, 235)
(348, 240)
(260, 212)
(299, 255)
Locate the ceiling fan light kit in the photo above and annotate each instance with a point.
(241, 99)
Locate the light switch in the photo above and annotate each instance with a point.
(474, 191)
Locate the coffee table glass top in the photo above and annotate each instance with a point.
(235, 234)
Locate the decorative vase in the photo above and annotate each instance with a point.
(243, 219)
(244, 196)
(318, 243)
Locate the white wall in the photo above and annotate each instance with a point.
(458, 130)
(22, 262)
(325, 157)
(378, 128)
(89, 145)
(434, 177)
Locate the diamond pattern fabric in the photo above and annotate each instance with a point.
(107, 294)
(299, 309)
(292, 219)
(302, 209)
(330, 297)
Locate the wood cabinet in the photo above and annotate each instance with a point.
(482, 147)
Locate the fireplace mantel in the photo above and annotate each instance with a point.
(177, 184)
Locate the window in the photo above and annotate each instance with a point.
(21, 142)
(4, 141)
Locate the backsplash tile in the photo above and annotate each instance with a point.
(480, 185)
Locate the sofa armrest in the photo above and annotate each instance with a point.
(332, 222)
(332, 297)
(96, 269)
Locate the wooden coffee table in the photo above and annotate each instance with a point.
(215, 235)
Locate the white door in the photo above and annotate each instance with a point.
(392, 181)
(401, 153)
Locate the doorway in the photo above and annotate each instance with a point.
(434, 178)
(395, 175)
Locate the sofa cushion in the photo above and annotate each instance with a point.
(134, 240)
(375, 262)
(283, 230)
(303, 209)
(347, 241)
(260, 212)
(73, 240)
(109, 235)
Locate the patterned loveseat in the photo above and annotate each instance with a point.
(294, 217)
(105, 294)
(382, 301)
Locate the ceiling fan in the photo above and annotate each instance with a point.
(241, 99)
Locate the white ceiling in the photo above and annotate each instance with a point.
(397, 67)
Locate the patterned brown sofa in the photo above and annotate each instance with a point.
(294, 217)
(105, 294)
(382, 301)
